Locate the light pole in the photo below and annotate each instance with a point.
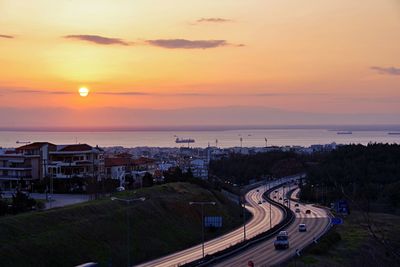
(128, 201)
(244, 221)
(202, 203)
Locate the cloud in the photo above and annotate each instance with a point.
(187, 44)
(123, 93)
(32, 91)
(213, 20)
(388, 70)
(6, 36)
(98, 39)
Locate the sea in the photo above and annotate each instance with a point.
(203, 138)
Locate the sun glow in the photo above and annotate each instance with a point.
(83, 91)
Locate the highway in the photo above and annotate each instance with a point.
(259, 223)
(264, 254)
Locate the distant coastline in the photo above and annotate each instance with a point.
(336, 128)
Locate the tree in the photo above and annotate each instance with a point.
(21, 202)
(148, 180)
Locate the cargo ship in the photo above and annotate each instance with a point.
(344, 132)
(184, 141)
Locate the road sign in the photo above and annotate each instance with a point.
(213, 221)
(342, 206)
(336, 221)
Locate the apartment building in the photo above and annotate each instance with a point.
(77, 160)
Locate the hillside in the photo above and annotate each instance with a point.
(352, 244)
(97, 230)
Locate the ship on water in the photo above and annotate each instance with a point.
(184, 141)
(345, 132)
(394, 133)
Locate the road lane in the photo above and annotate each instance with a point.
(259, 223)
(264, 254)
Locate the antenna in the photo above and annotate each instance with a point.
(266, 142)
(241, 142)
(216, 143)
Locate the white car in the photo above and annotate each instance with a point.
(120, 189)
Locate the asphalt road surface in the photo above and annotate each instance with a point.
(259, 223)
(264, 254)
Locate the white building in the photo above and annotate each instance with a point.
(80, 160)
(199, 168)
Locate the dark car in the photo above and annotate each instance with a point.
(302, 227)
(296, 205)
(308, 211)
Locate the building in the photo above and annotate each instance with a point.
(16, 168)
(199, 168)
(76, 161)
(41, 149)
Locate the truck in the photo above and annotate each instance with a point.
(282, 240)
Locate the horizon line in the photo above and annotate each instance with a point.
(355, 127)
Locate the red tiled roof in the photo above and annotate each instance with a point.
(109, 162)
(36, 145)
(143, 160)
(77, 147)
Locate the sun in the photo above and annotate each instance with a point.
(83, 91)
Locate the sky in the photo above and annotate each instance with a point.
(338, 61)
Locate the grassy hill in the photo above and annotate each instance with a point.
(97, 230)
(352, 244)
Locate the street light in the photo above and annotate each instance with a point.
(202, 203)
(128, 201)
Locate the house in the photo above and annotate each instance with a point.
(16, 168)
(118, 167)
(144, 164)
(41, 149)
(77, 160)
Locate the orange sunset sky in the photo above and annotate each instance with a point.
(314, 56)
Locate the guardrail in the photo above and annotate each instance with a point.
(315, 239)
(288, 218)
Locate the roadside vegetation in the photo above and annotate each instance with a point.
(97, 230)
(241, 169)
(352, 244)
(20, 202)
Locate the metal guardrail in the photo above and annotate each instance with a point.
(315, 239)
(288, 218)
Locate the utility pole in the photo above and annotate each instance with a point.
(202, 204)
(128, 201)
(244, 221)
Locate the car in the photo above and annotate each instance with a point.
(286, 200)
(276, 191)
(120, 189)
(302, 227)
(258, 190)
(274, 196)
(259, 202)
(282, 240)
(296, 205)
(280, 198)
(308, 211)
(297, 210)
